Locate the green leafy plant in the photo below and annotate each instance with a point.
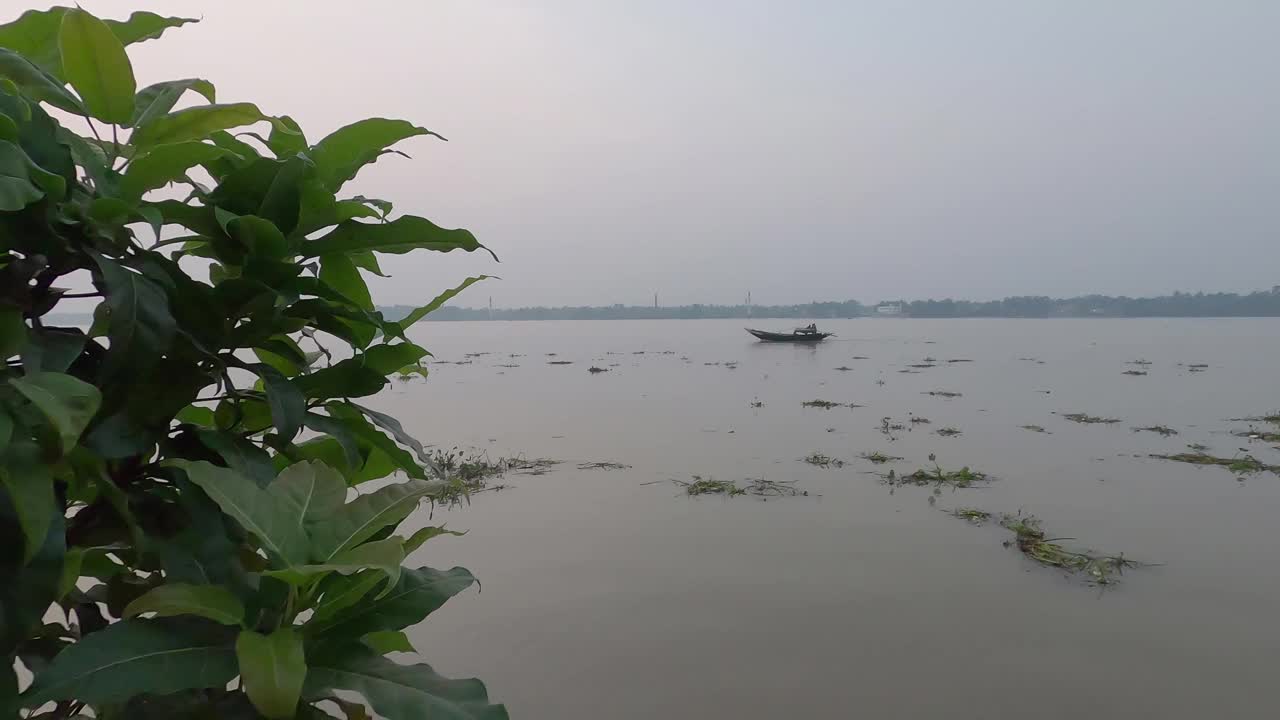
(178, 512)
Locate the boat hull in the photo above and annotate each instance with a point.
(806, 338)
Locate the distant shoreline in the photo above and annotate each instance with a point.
(1264, 303)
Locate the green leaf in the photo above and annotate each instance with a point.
(26, 476)
(198, 415)
(141, 327)
(388, 641)
(6, 429)
(71, 565)
(393, 426)
(214, 602)
(240, 455)
(96, 65)
(37, 83)
(288, 404)
(386, 456)
(340, 273)
(257, 511)
(367, 260)
(347, 378)
(35, 36)
(29, 586)
(361, 518)
(13, 332)
(68, 403)
(341, 154)
(384, 556)
(164, 164)
(418, 313)
(267, 188)
(339, 592)
(311, 491)
(402, 235)
(286, 138)
(194, 123)
(136, 656)
(387, 359)
(52, 349)
(418, 594)
(400, 692)
(143, 25)
(273, 668)
(422, 535)
(153, 101)
(17, 190)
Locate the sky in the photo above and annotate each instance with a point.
(607, 150)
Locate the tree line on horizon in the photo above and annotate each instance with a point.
(1263, 303)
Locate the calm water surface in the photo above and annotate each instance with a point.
(611, 594)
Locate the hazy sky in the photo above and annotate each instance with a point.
(801, 150)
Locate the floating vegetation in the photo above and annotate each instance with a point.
(973, 515)
(1037, 361)
(1197, 368)
(1087, 419)
(1035, 428)
(959, 360)
(708, 486)
(596, 370)
(757, 404)
(1140, 362)
(888, 427)
(469, 473)
(1157, 429)
(1246, 465)
(910, 372)
(827, 404)
(962, 478)
(507, 365)
(560, 362)
(930, 360)
(758, 487)
(1134, 373)
(771, 488)
(948, 432)
(603, 466)
(476, 354)
(524, 466)
(731, 364)
(823, 461)
(937, 477)
(638, 352)
(1270, 418)
(1030, 539)
(859, 357)
(918, 420)
(844, 368)
(922, 365)
(942, 394)
(1256, 434)
(879, 458)
(1197, 447)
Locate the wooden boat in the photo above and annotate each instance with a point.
(800, 335)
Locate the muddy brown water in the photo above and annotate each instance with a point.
(610, 594)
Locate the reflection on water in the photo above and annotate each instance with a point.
(611, 593)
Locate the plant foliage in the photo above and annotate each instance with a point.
(178, 513)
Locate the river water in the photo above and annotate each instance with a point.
(613, 594)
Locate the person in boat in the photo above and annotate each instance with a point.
(810, 329)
